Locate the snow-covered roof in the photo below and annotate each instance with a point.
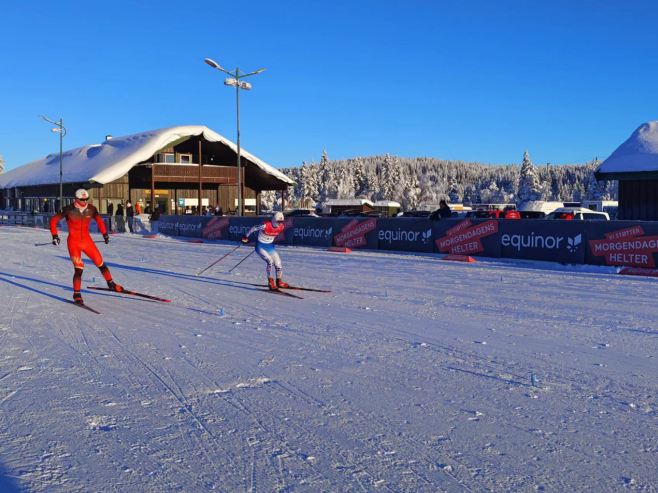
(387, 203)
(331, 202)
(639, 154)
(104, 163)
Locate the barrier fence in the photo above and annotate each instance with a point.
(613, 243)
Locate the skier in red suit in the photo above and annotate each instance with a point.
(78, 216)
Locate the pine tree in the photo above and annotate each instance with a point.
(360, 179)
(529, 185)
(453, 193)
(595, 190)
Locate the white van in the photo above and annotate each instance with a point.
(540, 206)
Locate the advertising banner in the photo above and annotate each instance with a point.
(405, 234)
(312, 231)
(356, 233)
(622, 243)
(475, 237)
(216, 228)
(238, 226)
(286, 236)
(190, 226)
(168, 225)
(551, 241)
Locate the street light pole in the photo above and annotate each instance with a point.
(235, 81)
(62, 133)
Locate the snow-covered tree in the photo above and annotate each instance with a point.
(360, 178)
(453, 191)
(2, 165)
(309, 183)
(391, 178)
(529, 184)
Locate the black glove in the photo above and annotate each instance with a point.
(55, 240)
(106, 237)
(245, 240)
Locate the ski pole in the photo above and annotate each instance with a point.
(231, 270)
(42, 244)
(229, 253)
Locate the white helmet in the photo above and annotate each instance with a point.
(81, 194)
(277, 219)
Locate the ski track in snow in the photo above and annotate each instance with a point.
(412, 375)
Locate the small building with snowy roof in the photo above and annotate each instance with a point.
(388, 208)
(635, 165)
(162, 163)
(342, 205)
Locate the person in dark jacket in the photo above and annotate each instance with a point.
(129, 214)
(45, 205)
(443, 212)
(57, 201)
(120, 209)
(110, 211)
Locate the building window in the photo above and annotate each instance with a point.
(170, 158)
(186, 158)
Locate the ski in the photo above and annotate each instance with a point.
(281, 293)
(296, 288)
(132, 293)
(82, 305)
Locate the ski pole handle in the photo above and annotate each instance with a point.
(229, 253)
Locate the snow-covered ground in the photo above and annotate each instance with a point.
(413, 375)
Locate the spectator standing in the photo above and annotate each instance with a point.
(154, 220)
(138, 208)
(118, 219)
(443, 212)
(57, 202)
(130, 212)
(218, 211)
(188, 210)
(110, 211)
(45, 205)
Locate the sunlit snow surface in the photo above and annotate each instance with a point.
(413, 375)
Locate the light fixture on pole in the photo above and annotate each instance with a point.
(62, 133)
(235, 81)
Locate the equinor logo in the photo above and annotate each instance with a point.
(401, 235)
(238, 229)
(537, 241)
(313, 233)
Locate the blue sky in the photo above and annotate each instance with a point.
(471, 80)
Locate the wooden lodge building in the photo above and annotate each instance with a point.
(160, 163)
(635, 165)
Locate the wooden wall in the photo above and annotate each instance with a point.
(638, 200)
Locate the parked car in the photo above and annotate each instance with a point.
(578, 213)
(298, 212)
(416, 214)
(532, 214)
(509, 214)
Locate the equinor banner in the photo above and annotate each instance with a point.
(239, 226)
(312, 231)
(622, 243)
(168, 225)
(356, 233)
(468, 237)
(405, 234)
(553, 241)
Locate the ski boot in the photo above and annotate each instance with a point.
(271, 284)
(77, 298)
(113, 286)
(281, 284)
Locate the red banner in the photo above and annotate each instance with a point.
(627, 247)
(282, 235)
(353, 233)
(213, 230)
(464, 239)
